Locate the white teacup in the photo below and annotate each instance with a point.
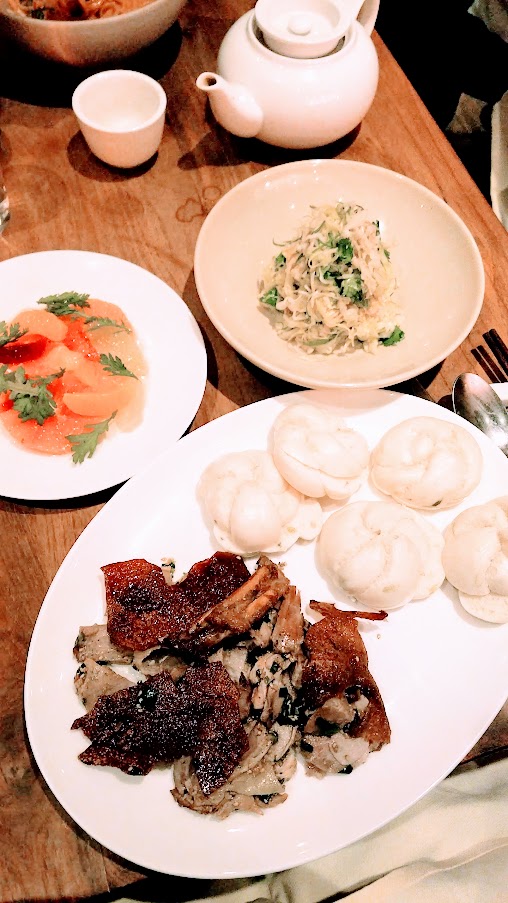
(121, 115)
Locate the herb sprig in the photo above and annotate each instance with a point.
(99, 322)
(68, 304)
(10, 333)
(396, 336)
(84, 444)
(115, 365)
(31, 397)
(72, 304)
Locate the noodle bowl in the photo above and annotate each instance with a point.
(72, 10)
(98, 31)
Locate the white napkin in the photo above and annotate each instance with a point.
(499, 160)
(494, 14)
(450, 847)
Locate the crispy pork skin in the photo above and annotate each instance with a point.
(236, 614)
(144, 611)
(159, 720)
(337, 666)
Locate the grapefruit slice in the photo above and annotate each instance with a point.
(58, 357)
(111, 340)
(43, 323)
(101, 404)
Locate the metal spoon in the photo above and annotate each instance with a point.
(475, 400)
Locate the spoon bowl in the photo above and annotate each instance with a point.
(475, 400)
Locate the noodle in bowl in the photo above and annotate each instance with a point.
(332, 289)
(109, 29)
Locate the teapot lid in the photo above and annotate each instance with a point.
(305, 28)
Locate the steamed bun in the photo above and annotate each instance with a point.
(475, 559)
(251, 508)
(381, 554)
(427, 463)
(317, 453)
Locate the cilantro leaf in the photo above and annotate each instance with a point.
(270, 297)
(352, 287)
(31, 397)
(342, 246)
(396, 336)
(344, 250)
(10, 333)
(115, 366)
(84, 444)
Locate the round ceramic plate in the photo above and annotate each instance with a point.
(437, 264)
(443, 674)
(171, 343)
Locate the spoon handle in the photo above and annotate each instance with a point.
(477, 402)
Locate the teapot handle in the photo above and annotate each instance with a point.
(368, 14)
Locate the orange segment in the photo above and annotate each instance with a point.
(98, 308)
(59, 357)
(101, 404)
(109, 340)
(43, 323)
(94, 375)
(129, 417)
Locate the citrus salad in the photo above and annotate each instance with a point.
(68, 368)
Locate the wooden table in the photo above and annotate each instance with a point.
(62, 197)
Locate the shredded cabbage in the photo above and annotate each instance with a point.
(332, 289)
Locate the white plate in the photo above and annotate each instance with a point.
(437, 263)
(171, 342)
(443, 674)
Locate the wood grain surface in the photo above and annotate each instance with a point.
(62, 197)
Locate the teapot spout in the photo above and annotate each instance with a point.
(232, 105)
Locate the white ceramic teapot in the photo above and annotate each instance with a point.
(296, 73)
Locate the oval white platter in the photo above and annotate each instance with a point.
(443, 674)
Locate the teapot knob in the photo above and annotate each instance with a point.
(300, 24)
